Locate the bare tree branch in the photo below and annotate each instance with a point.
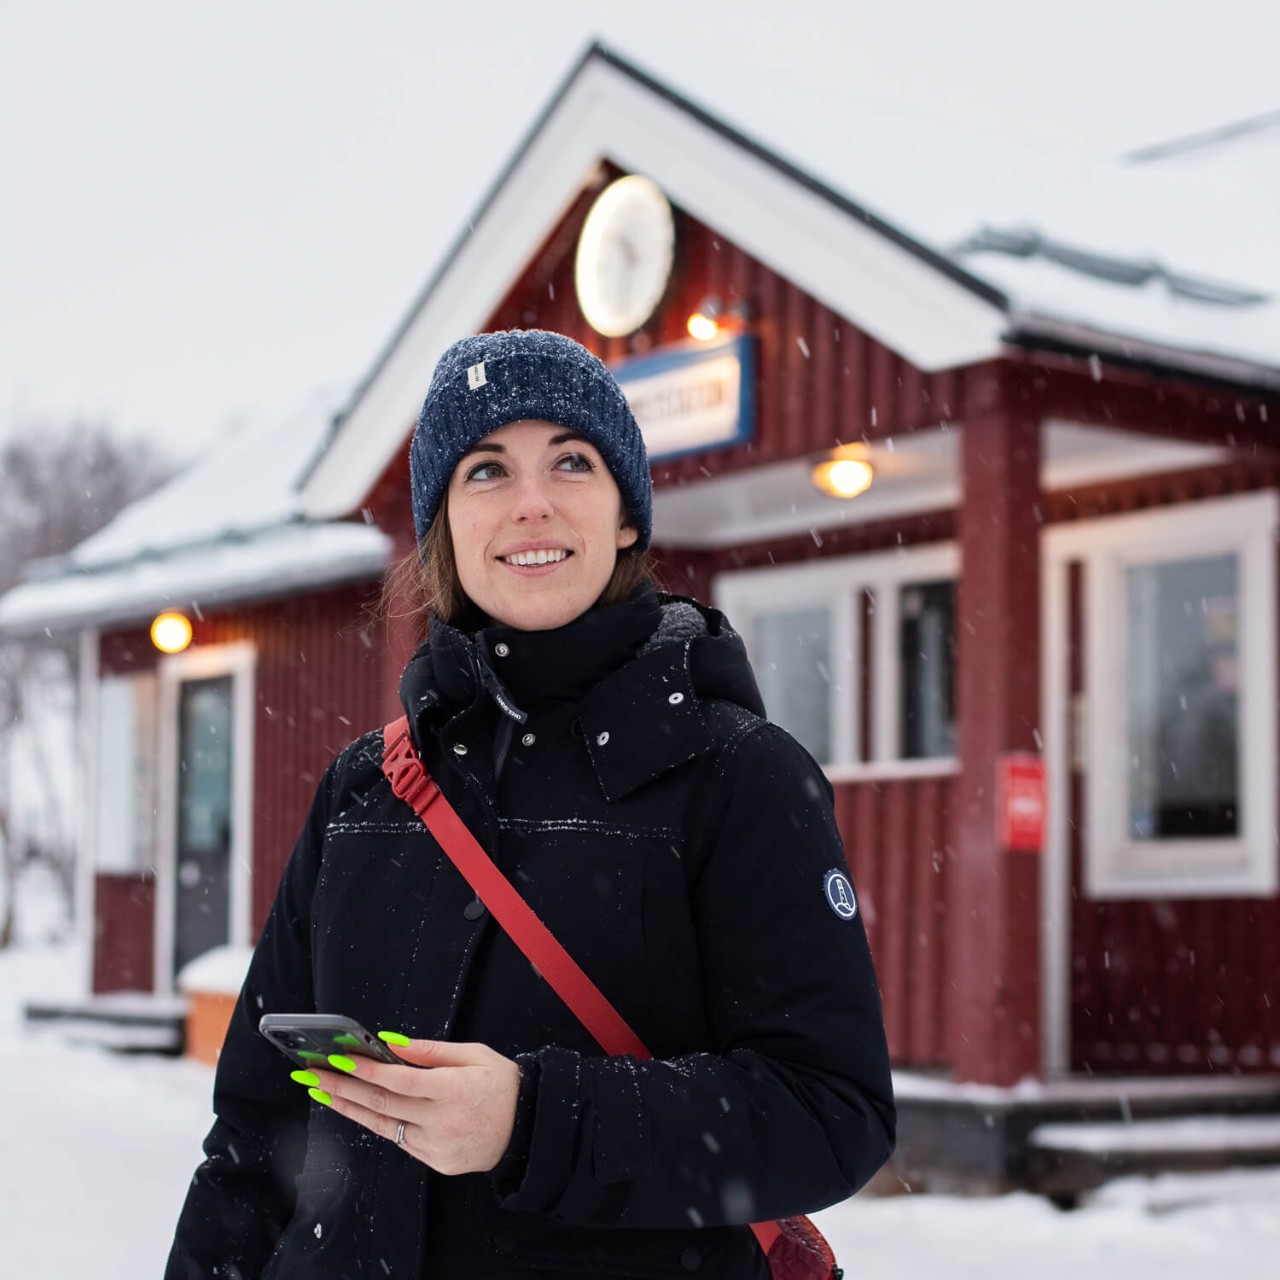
(57, 486)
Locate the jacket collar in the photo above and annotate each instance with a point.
(637, 670)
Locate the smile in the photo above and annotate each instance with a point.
(542, 556)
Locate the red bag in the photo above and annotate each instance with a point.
(794, 1247)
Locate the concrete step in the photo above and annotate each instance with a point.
(130, 1021)
(1068, 1158)
(978, 1138)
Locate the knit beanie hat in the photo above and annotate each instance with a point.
(483, 383)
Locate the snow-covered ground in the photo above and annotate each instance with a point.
(100, 1146)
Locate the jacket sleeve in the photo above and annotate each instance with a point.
(792, 1109)
(242, 1196)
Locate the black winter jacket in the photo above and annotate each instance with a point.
(620, 772)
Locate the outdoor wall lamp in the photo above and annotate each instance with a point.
(845, 473)
(711, 317)
(171, 632)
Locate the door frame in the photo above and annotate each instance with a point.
(239, 661)
(1057, 556)
(1061, 547)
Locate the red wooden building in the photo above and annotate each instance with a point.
(1037, 656)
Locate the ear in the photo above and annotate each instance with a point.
(627, 536)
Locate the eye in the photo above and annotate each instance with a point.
(485, 471)
(575, 462)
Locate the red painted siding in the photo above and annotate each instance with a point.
(123, 941)
(319, 682)
(318, 685)
(819, 381)
(897, 833)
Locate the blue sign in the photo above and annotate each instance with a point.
(692, 397)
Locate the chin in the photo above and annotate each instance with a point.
(532, 617)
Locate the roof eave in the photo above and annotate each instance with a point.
(1033, 330)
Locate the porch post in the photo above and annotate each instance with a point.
(994, 908)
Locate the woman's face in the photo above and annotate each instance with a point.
(536, 522)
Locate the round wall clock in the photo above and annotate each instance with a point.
(625, 255)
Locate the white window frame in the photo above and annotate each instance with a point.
(1115, 866)
(238, 660)
(118, 851)
(838, 583)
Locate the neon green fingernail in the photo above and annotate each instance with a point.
(346, 1039)
(340, 1063)
(321, 1097)
(311, 1055)
(304, 1077)
(394, 1037)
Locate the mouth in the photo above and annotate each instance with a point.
(536, 557)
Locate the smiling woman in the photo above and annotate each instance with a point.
(605, 746)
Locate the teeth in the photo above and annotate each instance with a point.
(537, 557)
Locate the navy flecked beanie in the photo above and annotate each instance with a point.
(484, 382)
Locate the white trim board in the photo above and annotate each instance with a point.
(806, 236)
(87, 810)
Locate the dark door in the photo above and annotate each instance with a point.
(205, 738)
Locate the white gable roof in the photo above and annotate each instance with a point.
(924, 308)
(941, 246)
(230, 527)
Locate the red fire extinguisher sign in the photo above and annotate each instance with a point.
(1021, 800)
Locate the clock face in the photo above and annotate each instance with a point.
(625, 255)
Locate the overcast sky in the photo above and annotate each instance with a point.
(207, 210)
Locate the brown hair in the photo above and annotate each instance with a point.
(424, 584)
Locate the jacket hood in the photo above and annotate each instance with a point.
(717, 655)
(651, 658)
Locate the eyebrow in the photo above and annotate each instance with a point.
(561, 438)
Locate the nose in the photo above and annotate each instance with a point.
(532, 502)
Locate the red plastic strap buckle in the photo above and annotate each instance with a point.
(400, 762)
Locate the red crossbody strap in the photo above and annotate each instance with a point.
(411, 782)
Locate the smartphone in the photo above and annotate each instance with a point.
(309, 1038)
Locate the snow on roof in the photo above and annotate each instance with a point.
(290, 557)
(241, 485)
(230, 527)
(1209, 213)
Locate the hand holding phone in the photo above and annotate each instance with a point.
(309, 1038)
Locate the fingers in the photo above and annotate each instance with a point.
(445, 1053)
(394, 1093)
(378, 1122)
(458, 1117)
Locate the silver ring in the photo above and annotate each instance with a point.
(400, 1135)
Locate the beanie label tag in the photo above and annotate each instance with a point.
(475, 376)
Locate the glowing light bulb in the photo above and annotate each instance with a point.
(843, 477)
(702, 326)
(171, 632)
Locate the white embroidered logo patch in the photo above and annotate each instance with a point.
(840, 897)
(475, 376)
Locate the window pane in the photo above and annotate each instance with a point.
(126, 774)
(927, 648)
(1183, 699)
(793, 667)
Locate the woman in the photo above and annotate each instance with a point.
(607, 747)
